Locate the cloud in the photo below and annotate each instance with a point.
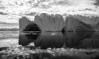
(96, 3)
(19, 7)
(3, 13)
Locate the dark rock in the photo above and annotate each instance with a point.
(73, 23)
(49, 22)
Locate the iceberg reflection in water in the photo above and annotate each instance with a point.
(43, 39)
(58, 39)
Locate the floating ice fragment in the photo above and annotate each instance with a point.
(31, 44)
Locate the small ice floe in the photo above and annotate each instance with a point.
(31, 44)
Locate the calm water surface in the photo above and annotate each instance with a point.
(51, 39)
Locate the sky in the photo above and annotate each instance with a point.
(20, 7)
(12, 10)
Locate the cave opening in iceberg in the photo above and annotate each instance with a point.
(32, 27)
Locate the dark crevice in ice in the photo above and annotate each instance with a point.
(32, 27)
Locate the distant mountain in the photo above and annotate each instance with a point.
(31, 14)
(9, 29)
(9, 25)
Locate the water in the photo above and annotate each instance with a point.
(8, 37)
(51, 39)
(59, 39)
(43, 39)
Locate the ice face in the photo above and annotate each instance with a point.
(49, 22)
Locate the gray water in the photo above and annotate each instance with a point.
(51, 39)
(8, 38)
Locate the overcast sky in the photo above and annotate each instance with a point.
(48, 6)
(32, 7)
